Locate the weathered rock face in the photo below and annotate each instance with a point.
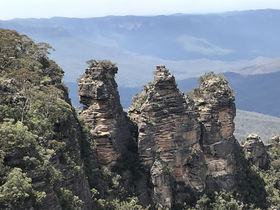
(112, 132)
(162, 182)
(255, 151)
(214, 102)
(168, 139)
(108, 124)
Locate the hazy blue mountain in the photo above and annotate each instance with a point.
(230, 36)
(187, 44)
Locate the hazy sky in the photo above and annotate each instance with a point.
(93, 8)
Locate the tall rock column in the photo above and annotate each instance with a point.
(113, 134)
(214, 102)
(103, 113)
(168, 141)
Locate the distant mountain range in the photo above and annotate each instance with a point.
(243, 42)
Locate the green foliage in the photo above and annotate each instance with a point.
(138, 100)
(69, 201)
(250, 186)
(31, 162)
(114, 194)
(70, 160)
(15, 135)
(37, 124)
(131, 204)
(55, 175)
(219, 201)
(46, 111)
(211, 76)
(18, 188)
(20, 53)
(3, 169)
(226, 201)
(271, 176)
(203, 203)
(87, 141)
(213, 88)
(106, 64)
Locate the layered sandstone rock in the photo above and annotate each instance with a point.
(214, 102)
(185, 143)
(112, 133)
(255, 151)
(108, 124)
(168, 139)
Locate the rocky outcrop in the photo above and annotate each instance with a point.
(112, 135)
(214, 102)
(172, 148)
(109, 127)
(275, 139)
(168, 141)
(255, 151)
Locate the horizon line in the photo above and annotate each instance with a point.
(146, 15)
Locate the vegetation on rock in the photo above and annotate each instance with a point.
(39, 131)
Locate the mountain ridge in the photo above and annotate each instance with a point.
(130, 41)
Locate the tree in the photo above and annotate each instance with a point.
(15, 135)
(17, 189)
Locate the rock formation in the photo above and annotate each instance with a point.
(255, 151)
(214, 102)
(103, 113)
(169, 151)
(168, 141)
(111, 132)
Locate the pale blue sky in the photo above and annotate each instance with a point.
(95, 8)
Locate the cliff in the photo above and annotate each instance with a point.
(214, 102)
(112, 133)
(103, 113)
(41, 163)
(168, 141)
(171, 151)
